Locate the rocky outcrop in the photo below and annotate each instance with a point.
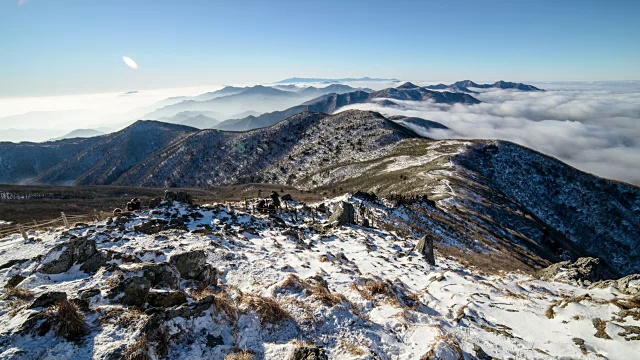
(75, 251)
(166, 298)
(425, 247)
(160, 275)
(343, 215)
(629, 285)
(132, 291)
(192, 265)
(583, 271)
(140, 279)
(151, 227)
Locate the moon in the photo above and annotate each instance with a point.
(130, 63)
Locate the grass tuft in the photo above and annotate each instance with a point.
(138, 350)
(69, 321)
(18, 293)
(240, 355)
(268, 309)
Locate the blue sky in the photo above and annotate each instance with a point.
(75, 46)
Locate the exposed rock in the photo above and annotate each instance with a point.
(343, 215)
(480, 353)
(47, 299)
(151, 227)
(159, 275)
(155, 202)
(187, 310)
(629, 284)
(322, 208)
(75, 251)
(425, 247)
(287, 197)
(193, 265)
(308, 353)
(132, 291)
(10, 263)
(585, 270)
(166, 298)
(88, 293)
(14, 281)
(213, 341)
(179, 196)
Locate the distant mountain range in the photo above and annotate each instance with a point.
(79, 133)
(465, 85)
(327, 80)
(233, 100)
(331, 102)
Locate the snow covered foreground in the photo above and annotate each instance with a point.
(383, 300)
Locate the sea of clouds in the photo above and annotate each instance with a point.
(592, 126)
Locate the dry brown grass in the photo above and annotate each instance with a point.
(601, 329)
(138, 350)
(353, 348)
(68, 320)
(124, 317)
(201, 292)
(18, 293)
(300, 343)
(293, 282)
(327, 298)
(395, 293)
(269, 310)
(224, 303)
(550, 313)
(240, 355)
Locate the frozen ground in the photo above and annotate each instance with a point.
(356, 292)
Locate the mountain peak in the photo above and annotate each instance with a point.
(407, 85)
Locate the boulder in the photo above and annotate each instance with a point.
(166, 298)
(425, 247)
(133, 291)
(151, 227)
(75, 251)
(47, 299)
(192, 265)
(629, 284)
(159, 275)
(14, 281)
(155, 202)
(583, 271)
(308, 353)
(343, 215)
(322, 208)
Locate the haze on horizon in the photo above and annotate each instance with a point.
(76, 47)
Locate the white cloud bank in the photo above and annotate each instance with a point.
(592, 126)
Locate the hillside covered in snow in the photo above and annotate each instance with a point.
(223, 280)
